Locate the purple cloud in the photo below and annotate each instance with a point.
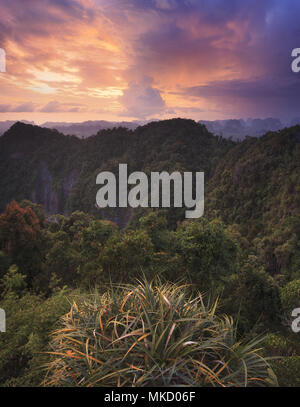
(142, 100)
(57, 107)
(23, 107)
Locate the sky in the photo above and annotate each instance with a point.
(77, 60)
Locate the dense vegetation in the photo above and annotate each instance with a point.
(244, 251)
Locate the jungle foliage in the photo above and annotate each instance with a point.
(56, 249)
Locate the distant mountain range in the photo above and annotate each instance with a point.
(237, 129)
(88, 128)
(81, 130)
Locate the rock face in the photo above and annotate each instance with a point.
(33, 165)
(68, 183)
(43, 192)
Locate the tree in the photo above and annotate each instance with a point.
(254, 294)
(207, 250)
(156, 225)
(290, 296)
(20, 238)
(125, 256)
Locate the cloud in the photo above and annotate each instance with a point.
(259, 88)
(203, 56)
(166, 4)
(52, 107)
(261, 96)
(57, 107)
(21, 108)
(24, 107)
(5, 108)
(141, 100)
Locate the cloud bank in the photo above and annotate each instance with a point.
(208, 58)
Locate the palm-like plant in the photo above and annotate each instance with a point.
(152, 334)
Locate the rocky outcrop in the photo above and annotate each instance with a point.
(52, 197)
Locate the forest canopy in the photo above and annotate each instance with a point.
(56, 248)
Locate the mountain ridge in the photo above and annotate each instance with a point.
(237, 129)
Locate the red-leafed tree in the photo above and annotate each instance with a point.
(20, 238)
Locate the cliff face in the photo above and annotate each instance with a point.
(53, 199)
(33, 166)
(43, 192)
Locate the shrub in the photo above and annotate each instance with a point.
(208, 252)
(30, 320)
(152, 335)
(290, 295)
(254, 295)
(276, 345)
(288, 371)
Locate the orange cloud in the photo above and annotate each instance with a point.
(88, 59)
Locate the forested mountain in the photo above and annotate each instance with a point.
(253, 184)
(59, 171)
(5, 125)
(239, 129)
(257, 187)
(245, 250)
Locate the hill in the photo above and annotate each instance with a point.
(239, 129)
(88, 128)
(59, 171)
(253, 184)
(257, 187)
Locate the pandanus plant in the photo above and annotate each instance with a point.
(152, 334)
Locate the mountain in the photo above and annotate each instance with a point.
(81, 130)
(88, 128)
(257, 187)
(253, 184)
(59, 171)
(238, 129)
(5, 125)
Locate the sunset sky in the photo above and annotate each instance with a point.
(76, 60)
